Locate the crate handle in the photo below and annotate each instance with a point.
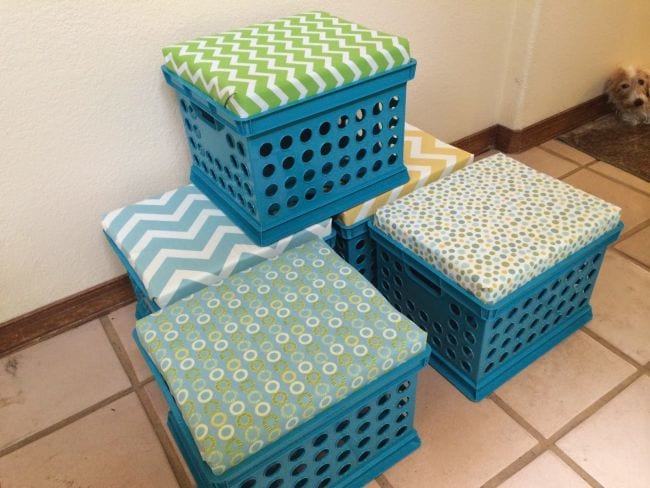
(424, 281)
(206, 117)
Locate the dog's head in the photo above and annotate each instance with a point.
(628, 89)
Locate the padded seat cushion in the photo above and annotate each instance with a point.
(180, 242)
(427, 159)
(257, 68)
(496, 224)
(259, 353)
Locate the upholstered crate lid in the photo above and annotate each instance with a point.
(268, 65)
(263, 351)
(179, 242)
(496, 224)
(427, 159)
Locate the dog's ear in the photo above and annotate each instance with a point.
(644, 74)
(613, 80)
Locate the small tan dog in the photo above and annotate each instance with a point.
(628, 90)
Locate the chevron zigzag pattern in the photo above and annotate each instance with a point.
(179, 242)
(427, 159)
(268, 65)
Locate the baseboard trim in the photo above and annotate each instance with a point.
(509, 140)
(480, 141)
(65, 314)
(106, 297)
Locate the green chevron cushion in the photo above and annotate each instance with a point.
(497, 224)
(264, 66)
(179, 242)
(252, 357)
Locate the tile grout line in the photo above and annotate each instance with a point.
(587, 412)
(567, 158)
(519, 419)
(611, 178)
(514, 467)
(570, 173)
(166, 443)
(606, 344)
(632, 232)
(119, 350)
(383, 482)
(624, 255)
(545, 444)
(566, 459)
(65, 422)
(74, 417)
(527, 457)
(145, 382)
(138, 386)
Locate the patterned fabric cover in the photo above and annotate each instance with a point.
(254, 356)
(427, 159)
(496, 224)
(257, 68)
(179, 242)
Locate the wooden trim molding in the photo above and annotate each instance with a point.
(480, 141)
(65, 314)
(509, 140)
(514, 141)
(106, 297)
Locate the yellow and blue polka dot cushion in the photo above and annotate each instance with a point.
(254, 356)
(497, 224)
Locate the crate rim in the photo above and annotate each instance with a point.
(468, 299)
(244, 125)
(354, 230)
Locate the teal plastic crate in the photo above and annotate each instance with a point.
(476, 346)
(283, 170)
(347, 445)
(354, 244)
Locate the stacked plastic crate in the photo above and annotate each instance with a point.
(289, 122)
(497, 262)
(293, 121)
(427, 159)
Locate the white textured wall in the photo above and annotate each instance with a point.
(87, 123)
(563, 50)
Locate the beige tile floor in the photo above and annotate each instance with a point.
(81, 410)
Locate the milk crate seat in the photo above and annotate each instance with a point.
(427, 159)
(295, 372)
(179, 242)
(292, 121)
(496, 262)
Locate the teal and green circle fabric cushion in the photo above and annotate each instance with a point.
(259, 353)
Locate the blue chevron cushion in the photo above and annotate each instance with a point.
(179, 242)
(262, 352)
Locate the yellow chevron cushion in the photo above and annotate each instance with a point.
(426, 158)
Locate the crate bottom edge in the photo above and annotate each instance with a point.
(264, 236)
(356, 478)
(476, 391)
